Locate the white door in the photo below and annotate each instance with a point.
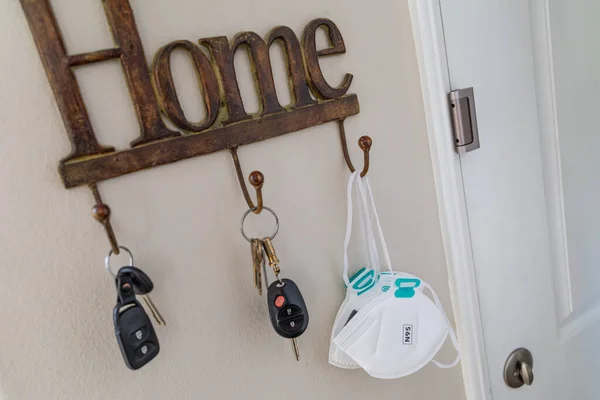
(532, 190)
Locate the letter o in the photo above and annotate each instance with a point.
(167, 94)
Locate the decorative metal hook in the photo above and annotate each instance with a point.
(101, 213)
(364, 143)
(256, 179)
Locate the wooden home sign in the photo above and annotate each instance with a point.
(152, 91)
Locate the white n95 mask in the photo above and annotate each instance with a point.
(365, 284)
(396, 335)
(363, 288)
(386, 325)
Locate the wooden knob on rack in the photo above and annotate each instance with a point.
(256, 179)
(101, 212)
(365, 143)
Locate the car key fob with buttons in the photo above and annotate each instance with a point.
(287, 309)
(136, 336)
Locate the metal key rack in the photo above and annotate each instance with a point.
(226, 126)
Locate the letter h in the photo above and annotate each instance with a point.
(59, 64)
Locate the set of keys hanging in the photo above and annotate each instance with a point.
(134, 331)
(287, 310)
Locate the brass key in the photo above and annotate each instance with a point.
(257, 262)
(273, 260)
(295, 348)
(155, 313)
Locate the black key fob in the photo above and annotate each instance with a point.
(142, 284)
(136, 336)
(287, 309)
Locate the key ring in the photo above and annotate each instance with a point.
(252, 209)
(107, 259)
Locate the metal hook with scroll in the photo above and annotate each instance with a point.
(256, 179)
(364, 143)
(101, 213)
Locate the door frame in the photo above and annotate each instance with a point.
(430, 47)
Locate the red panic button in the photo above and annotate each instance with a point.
(279, 301)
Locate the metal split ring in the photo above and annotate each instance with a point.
(252, 209)
(110, 253)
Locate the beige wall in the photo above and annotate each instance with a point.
(181, 220)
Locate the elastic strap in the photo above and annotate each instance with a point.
(368, 228)
(451, 332)
(348, 227)
(384, 248)
(365, 226)
(365, 234)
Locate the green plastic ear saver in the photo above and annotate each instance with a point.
(406, 287)
(362, 281)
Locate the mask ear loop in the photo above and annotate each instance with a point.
(451, 332)
(348, 228)
(368, 229)
(382, 243)
(364, 234)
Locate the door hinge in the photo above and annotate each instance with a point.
(464, 120)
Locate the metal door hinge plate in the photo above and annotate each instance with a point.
(464, 120)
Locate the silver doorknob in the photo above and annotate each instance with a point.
(518, 368)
